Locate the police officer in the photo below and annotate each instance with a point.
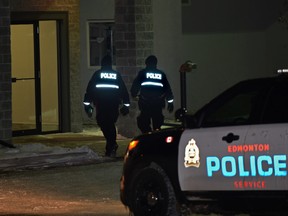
(106, 91)
(153, 88)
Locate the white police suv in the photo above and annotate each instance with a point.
(231, 154)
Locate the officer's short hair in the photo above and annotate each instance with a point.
(106, 61)
(151, 60)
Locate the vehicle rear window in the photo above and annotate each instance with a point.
(276, 108)
(235, 111)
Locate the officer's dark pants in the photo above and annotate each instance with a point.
(150, 110)
(106, 117)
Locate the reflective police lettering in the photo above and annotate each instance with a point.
(108, 75)
(264, 165)
(154, 76)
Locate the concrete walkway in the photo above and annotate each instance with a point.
(53, 150)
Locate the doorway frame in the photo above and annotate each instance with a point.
(63, 53)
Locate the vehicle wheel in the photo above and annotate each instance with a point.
(152, 193)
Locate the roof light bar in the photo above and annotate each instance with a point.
(284, 70)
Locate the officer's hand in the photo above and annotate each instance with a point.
(170, 107)
(88, 110)
(124, 110)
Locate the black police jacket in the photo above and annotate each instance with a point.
(152, 84)
(107, 86)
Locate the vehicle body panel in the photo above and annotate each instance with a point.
(204, 175)
(257, 161)
(267, 158)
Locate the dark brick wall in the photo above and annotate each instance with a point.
(134, 42)
(134, 35)
(72, 7)
(5, 72)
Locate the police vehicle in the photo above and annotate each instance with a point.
(231, 153)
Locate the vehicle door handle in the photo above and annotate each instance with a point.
(230, 138)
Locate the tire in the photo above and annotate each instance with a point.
(152, 193)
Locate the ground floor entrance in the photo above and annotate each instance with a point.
(37, 76)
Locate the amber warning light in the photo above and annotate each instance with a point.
(133, 144)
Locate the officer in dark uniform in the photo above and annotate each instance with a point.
(154, 89)
(106, 91)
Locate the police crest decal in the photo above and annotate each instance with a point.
(192, 154)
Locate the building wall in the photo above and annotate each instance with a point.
(226, 58)
(168, 44)
(72, 7)
(5, 73)
(134, 41)
(222, 59)
(238, 48)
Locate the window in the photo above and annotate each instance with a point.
(238, 106)
(276, 109)
(235, 111)
(100, 41)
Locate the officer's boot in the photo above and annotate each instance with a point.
(114, 150)
(111, 149)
